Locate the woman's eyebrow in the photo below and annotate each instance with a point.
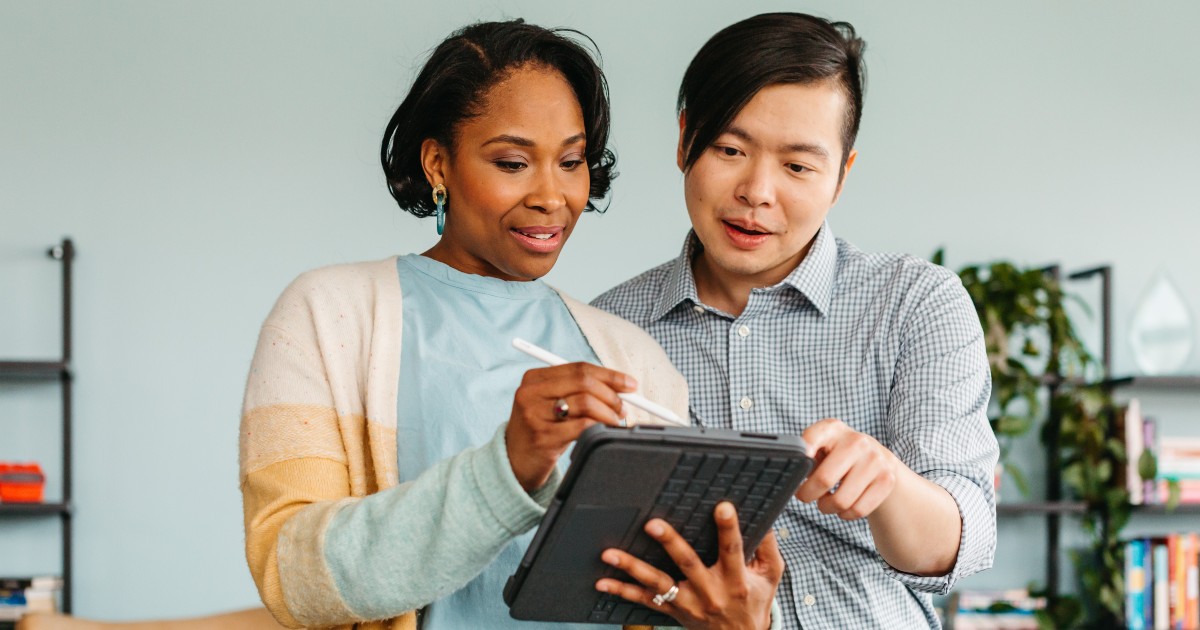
(526, 142)
(507, 139)
(579, 137)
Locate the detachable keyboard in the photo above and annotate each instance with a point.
(698, 483)
(621, 478)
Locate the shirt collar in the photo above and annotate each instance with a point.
(813, 277)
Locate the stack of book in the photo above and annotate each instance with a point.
(1177, 461)
(1162, 589)
(1012, 609)
(19, 596)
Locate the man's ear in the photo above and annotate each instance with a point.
(680, 154)
(434, 159)
(845, 173)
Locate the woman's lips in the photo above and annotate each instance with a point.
(541, 239)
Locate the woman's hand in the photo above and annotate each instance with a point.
(539, 432)
(730, 594)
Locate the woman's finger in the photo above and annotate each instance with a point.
(681, 553)
(731, 557)
(584, 406)
(652, 580)
(768, 560)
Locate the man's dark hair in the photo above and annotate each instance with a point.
(451, 88)
(765, 50)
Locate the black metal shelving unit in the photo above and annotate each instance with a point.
(54, 370)
(1054, 508)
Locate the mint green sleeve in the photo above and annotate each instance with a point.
(407, 546)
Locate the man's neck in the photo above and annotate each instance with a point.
(729, 291)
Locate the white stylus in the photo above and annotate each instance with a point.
(549, 358)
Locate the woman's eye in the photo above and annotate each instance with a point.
(570, 165)
(506, 165)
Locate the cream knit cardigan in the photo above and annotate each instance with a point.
(318, 428)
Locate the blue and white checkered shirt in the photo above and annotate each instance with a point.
(889, 344)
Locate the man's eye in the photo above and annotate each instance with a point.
(509, 166)
(729, 151)
(798, 168)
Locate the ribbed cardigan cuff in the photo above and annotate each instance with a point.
(512, 507)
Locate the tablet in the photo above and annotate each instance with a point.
(621, 478)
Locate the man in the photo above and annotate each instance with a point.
(877, 360)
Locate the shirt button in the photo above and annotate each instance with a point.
(743, 330)
(746, 402)
(698, 309)
(784, 533)
(809, 600)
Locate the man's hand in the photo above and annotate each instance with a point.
(914, 522)
(854, 472)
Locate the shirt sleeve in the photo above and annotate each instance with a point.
(937, 414)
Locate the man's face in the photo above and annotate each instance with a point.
(759, 194)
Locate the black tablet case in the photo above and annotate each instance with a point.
(621, 478)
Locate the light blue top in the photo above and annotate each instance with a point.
(458, 375)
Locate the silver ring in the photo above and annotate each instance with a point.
(561, 409)
(668, 597)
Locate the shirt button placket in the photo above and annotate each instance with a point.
(740, 369)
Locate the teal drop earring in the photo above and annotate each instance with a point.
(439, 198)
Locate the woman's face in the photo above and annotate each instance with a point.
(516, 179)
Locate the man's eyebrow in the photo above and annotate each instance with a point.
(526, 142)
(796, 147)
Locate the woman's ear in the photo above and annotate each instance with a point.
(679, 152)
(434, 160)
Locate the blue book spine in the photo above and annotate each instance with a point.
(1135, 585)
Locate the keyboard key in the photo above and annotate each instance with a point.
(598, 616)
(733, 464)
(683, 472)
(756, 463)
(712, 463)
(621, 613)
(691, 460)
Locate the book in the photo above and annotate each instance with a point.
(1162, 583)
(1133, 450)
(1135, 584)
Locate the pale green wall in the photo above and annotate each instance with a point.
(202, 154)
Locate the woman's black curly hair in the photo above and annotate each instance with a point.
(458, 75)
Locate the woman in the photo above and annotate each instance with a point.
(381, 474)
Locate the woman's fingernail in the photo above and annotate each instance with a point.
(655, 528)
(725, 511)
(630, 383)
(609, 557)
